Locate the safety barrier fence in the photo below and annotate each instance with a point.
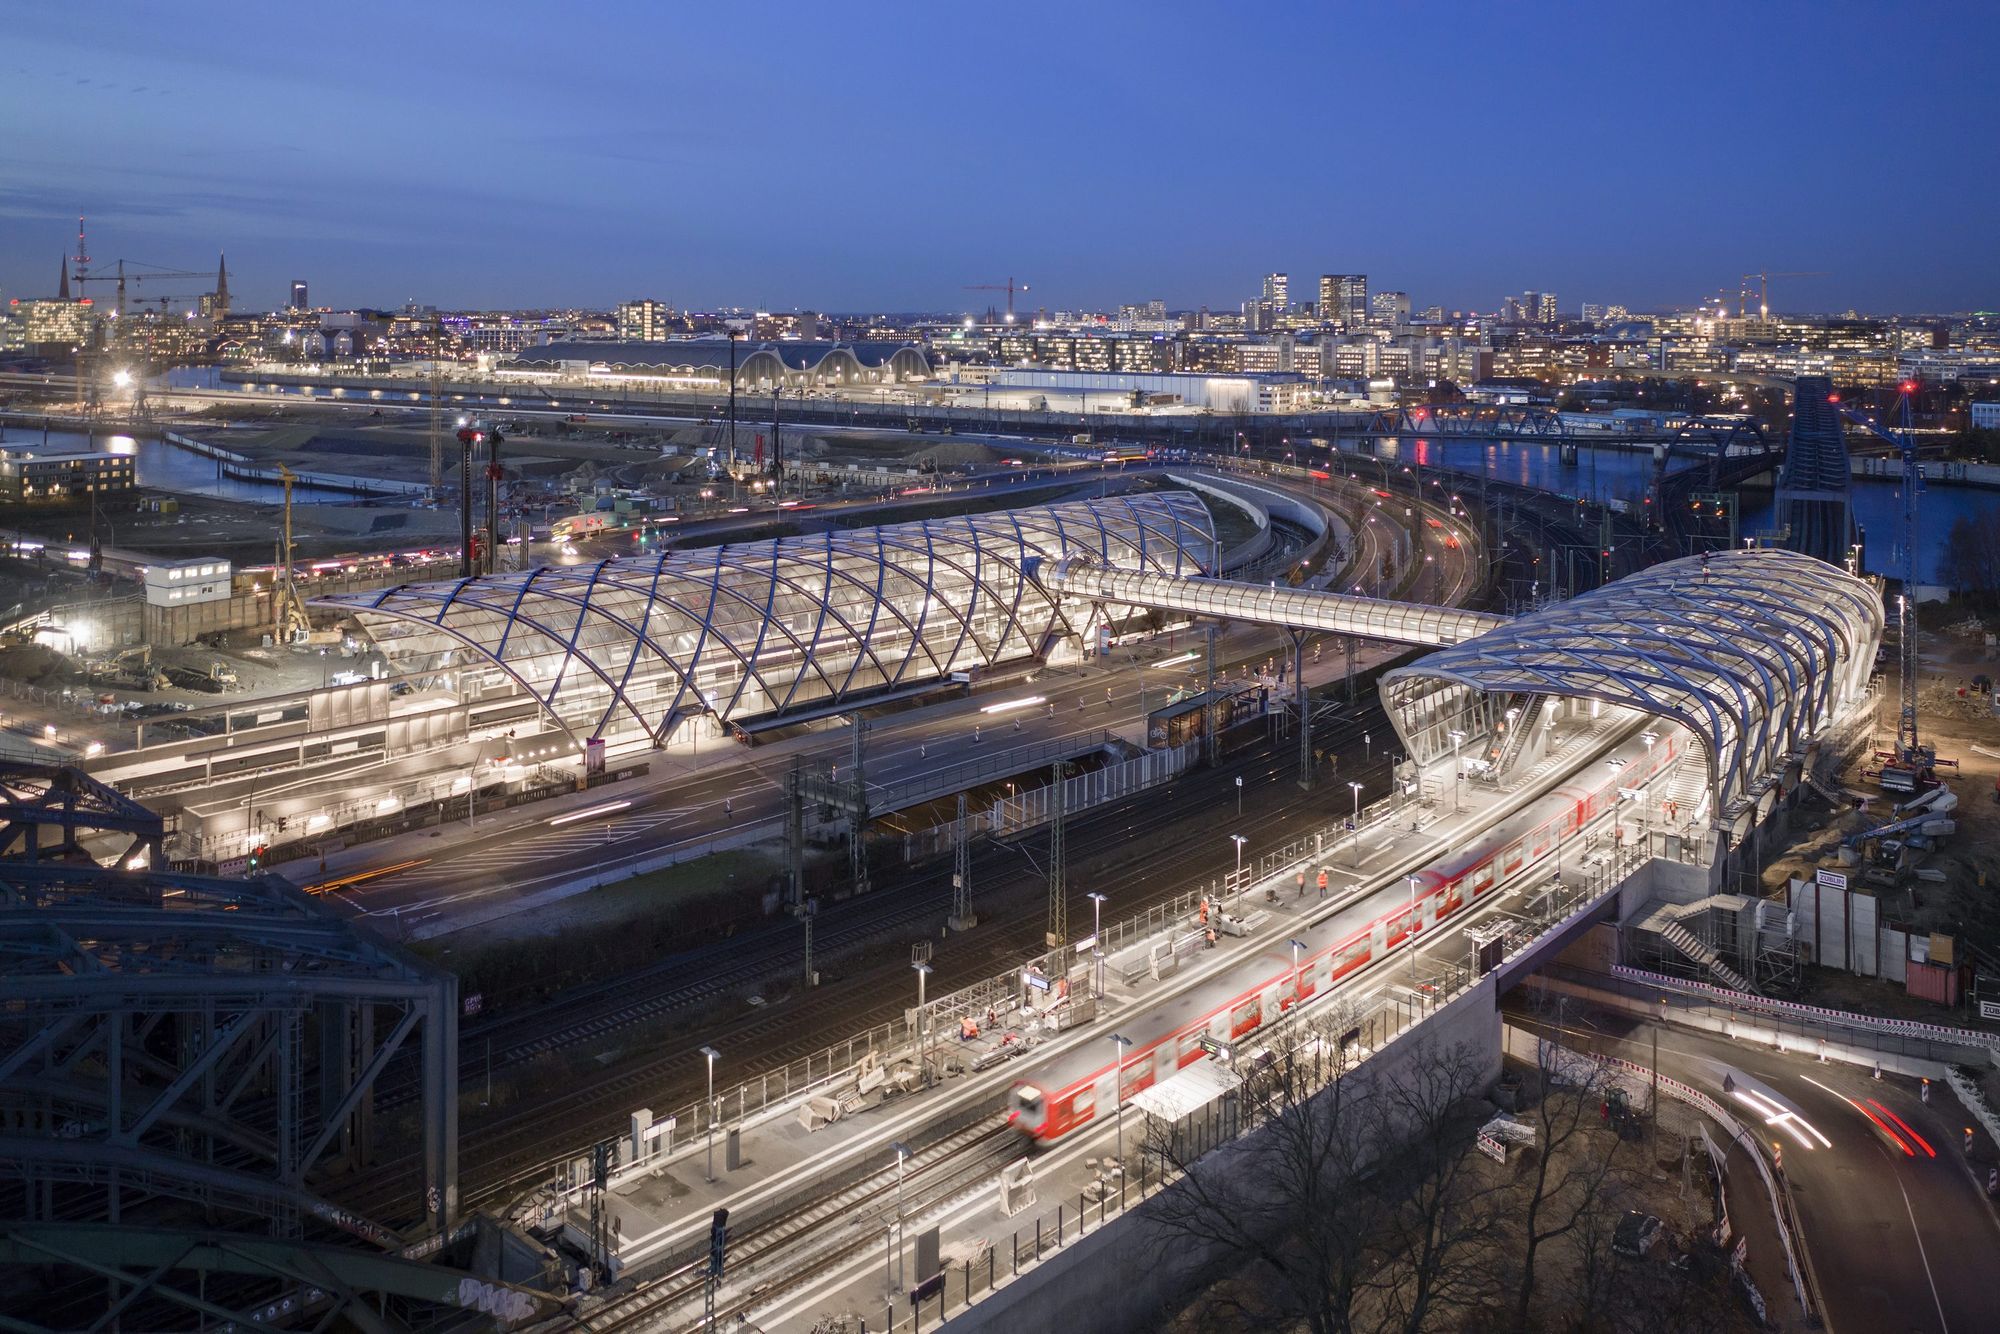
(1807, 1014)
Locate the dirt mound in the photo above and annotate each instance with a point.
(955, 454)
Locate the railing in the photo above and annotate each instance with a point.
(1737, 1002)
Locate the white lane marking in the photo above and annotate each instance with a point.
(1925, 1257)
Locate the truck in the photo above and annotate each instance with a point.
(579, 525)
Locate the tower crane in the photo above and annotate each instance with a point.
(142, 273)
(1763, 277)
(1009, 287)
(1912, 766)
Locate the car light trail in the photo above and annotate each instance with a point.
(1922, 1143)
(1012, 704)
(1880, 1124)
(1777, 1114)
(588, 812)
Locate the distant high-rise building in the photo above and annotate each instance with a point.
(1343, 299)
(1432, 315)
(642, 321)
(1592, 312)
(1616, 314)
(1277, 292)
(1390, 309)
(299, 301)
(1545, 308)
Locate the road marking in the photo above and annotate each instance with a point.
(1922, 1255)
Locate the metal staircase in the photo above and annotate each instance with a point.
(1517, 736)
(1690, 945)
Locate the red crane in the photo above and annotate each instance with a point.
(1009, 287)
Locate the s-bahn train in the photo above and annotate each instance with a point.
(1074, 1090)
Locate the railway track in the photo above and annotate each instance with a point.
(515, 1149)
(785, 1249)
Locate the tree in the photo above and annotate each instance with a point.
(1439, 1214)
(1288, 1210)
(1573, 1156)
(1972, 558)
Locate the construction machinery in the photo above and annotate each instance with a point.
(1009, 287)
(1912, 766)
(1763, 277)
(289, 622)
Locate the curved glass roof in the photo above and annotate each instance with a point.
(1751, 650)
(756, 629)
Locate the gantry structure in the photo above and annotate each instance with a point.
(1753, 651)
(638, 646)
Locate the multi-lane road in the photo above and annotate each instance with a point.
(1892, 1206)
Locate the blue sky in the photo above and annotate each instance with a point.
(882, 156)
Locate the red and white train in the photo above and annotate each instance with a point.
(1069, 1095)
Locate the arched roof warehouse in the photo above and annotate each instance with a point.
(759, 366)
(1752, 651)
(760, 629)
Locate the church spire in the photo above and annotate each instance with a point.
(63, 293)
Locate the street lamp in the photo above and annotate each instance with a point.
(1357, 791)
(903, 1153)
(1239, 794)
(712, 1054)
(1121, 1044)
(1239, 841)
(1097, 940)
(1298, 947)
(923, 1026)
(1367, 749)
(1457, 739)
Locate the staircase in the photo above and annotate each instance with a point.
(1517, 736)
(1688, 944)
(1686, 786)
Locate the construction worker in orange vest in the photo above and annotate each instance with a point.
(1322, 882)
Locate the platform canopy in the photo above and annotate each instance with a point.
(783, 628)
(1752, 651)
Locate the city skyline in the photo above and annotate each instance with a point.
(494, 165)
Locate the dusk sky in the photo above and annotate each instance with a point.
(883, 156)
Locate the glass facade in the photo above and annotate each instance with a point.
(638, 645)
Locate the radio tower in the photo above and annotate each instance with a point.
(81, 259)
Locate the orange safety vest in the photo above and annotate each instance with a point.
(1322, 879)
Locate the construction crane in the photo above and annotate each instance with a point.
(1763, 277)
(142, 273)
(290, 624)
(1912, 766)
(1009, 287)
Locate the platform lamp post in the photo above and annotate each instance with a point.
(1355, 788)
(1121, 1045)
(712, 1054)
(1097, 941)
(903, 1154)
(923, 1025)
(1298, 948)
(1457, 740)
(1239, 841)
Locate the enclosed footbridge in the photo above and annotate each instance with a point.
(1301, 609)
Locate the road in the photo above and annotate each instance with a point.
(1899, 1230)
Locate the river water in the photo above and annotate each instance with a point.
(1627, 474)
(161, 466)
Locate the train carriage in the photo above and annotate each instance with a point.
(1075, 1088)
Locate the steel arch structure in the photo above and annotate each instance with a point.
(641, 644)
(1752, 651)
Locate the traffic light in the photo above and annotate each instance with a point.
(257, 856)
(718, 1242)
